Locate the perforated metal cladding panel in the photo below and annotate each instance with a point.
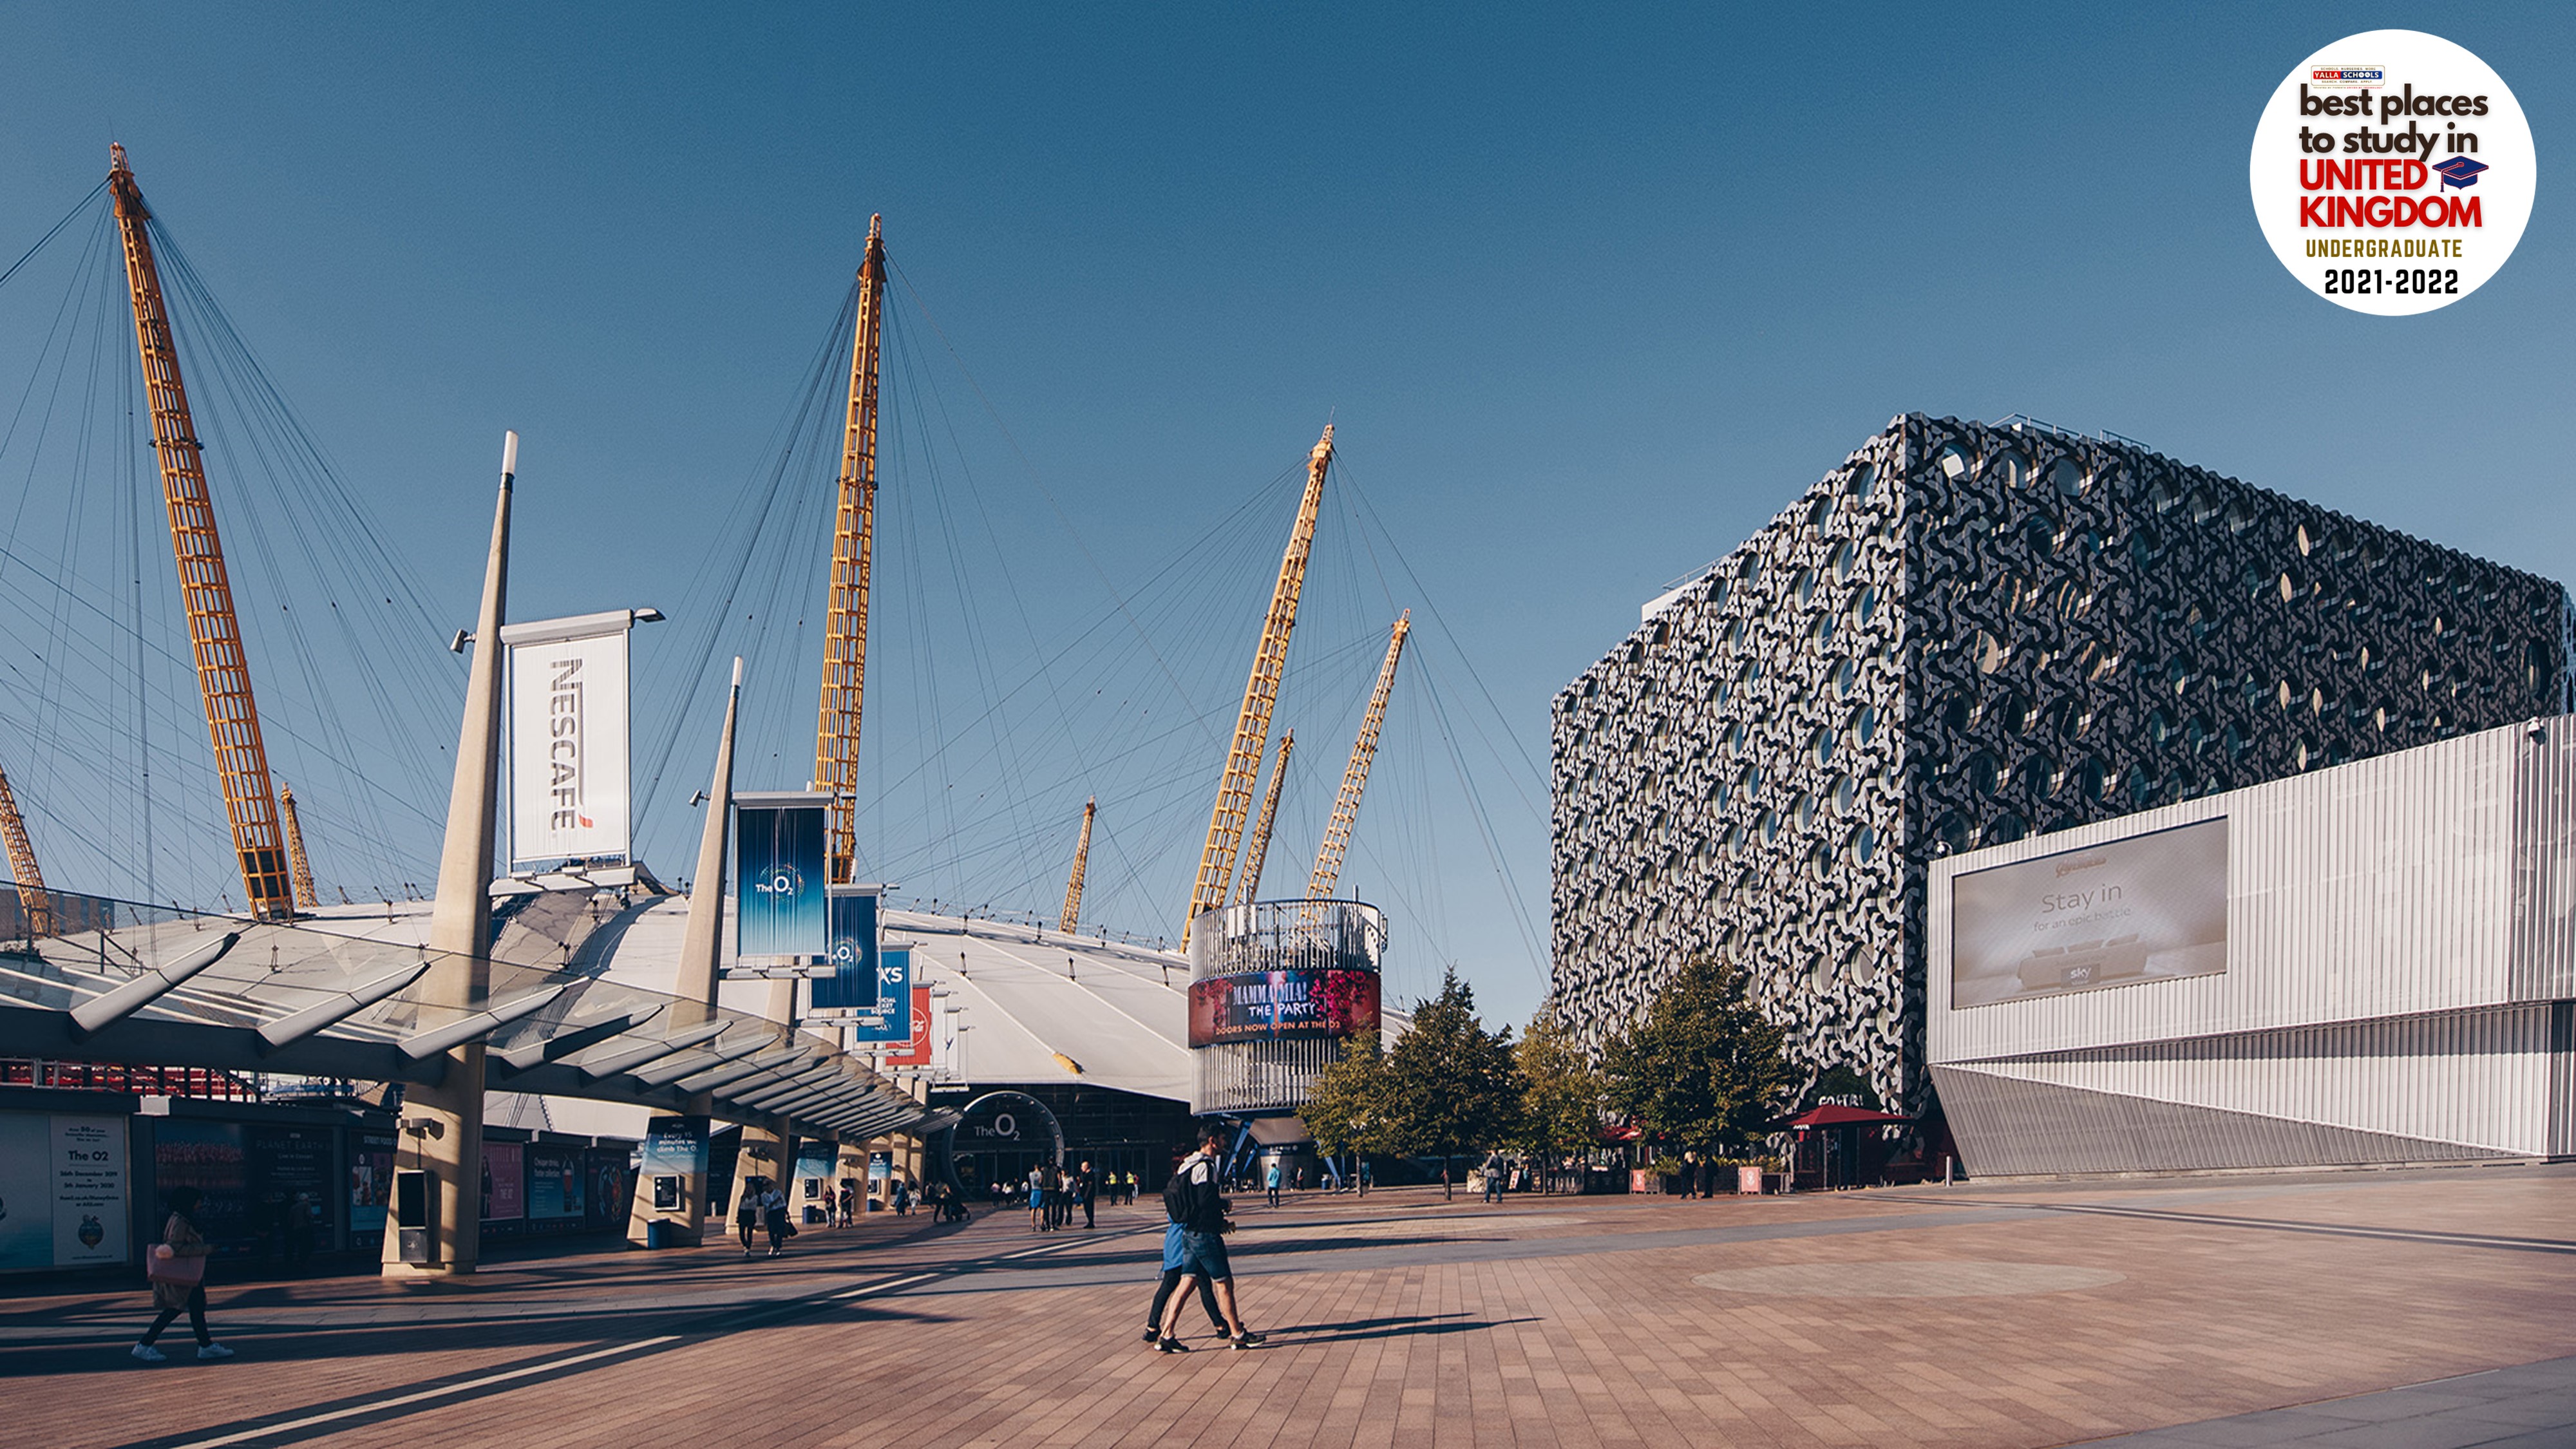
(2059, 630)
(1730, 782)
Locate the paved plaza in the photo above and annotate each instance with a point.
(2206, 1311)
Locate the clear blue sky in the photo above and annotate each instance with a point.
(1590, 294)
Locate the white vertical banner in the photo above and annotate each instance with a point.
(569, 741)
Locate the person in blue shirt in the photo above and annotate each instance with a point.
(1272, 1182)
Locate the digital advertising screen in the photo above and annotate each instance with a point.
(2149, 908)
(371, 1183)
(1282, 1005)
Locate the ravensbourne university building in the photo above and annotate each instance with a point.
(1964, 636)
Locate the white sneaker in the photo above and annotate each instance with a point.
(148, 1354)
(213, 1350)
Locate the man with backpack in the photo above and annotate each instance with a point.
(1196, 1210)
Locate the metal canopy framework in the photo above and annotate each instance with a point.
(339, 996)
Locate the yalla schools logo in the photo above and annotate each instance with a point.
(2393, 172)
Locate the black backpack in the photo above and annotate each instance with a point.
(1176, 1196)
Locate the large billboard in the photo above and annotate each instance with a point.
(2148, 908)
(63, 1187)
(1282, 1005)
(568, 741)
(778, 875)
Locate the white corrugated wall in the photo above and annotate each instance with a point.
(2396, 930)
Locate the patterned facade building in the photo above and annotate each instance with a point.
(1965, 634)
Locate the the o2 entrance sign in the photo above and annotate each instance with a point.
(2393, 172)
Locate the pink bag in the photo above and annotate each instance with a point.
(169, 1267)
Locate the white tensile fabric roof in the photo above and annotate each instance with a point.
(1035, 1005)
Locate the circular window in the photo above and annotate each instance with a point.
(2008, 469)
(1845, 675)
(1952, 463)
(2068, 477)
(1824, 745)
(1864, 846)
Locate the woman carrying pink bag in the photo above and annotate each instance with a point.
(177, 1269)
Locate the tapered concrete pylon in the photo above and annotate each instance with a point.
(701, 944)
(442, 1125)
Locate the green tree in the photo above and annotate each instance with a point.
(1449, 1086)
(1347, 1112)
(1703, 1069)
(1561, 1094)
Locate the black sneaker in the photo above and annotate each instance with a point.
(1152, 1333)
(1171, 1345)
(1249, 1339)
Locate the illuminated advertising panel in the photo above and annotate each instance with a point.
(1282, 1005)
(778, 875)
(2149, 908)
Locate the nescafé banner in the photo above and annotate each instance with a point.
(778, 875)
(568, 740)
(1282, 1005)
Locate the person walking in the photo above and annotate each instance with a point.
(1037, 1198)
(178, 1276)
(1086, 1185)
(1271, 1181)
(773, 1215)
(1175, 1272)
(746, 1214)
(1493, 1177)
(1193, 1201)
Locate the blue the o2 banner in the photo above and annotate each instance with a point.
(778, 874)
(851, 915)
(892, 1018)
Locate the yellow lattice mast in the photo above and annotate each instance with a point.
(1247, 877)
(22, 865)
(306, 897)
(1346, 805)
(845, 636)
(1081, 859)
(205, 589)
(1260, 695)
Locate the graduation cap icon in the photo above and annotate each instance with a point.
(2460, 171)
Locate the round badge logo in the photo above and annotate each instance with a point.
(2393, 172)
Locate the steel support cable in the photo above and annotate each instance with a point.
(331, 531)
(51, 232)
(1484, 824)
(1429, 606)
(1062, 518)
(715, 592)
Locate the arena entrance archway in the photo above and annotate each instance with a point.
(998, 1138)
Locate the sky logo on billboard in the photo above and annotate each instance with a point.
(2460, 171)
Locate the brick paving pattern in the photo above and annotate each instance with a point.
(1976, 1315)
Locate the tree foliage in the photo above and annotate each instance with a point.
(1347, 1112)
(1561, 1093)
(1449, 1085)
(1703, 1068)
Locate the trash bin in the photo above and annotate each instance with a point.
(657, 1233)
(1748, 1180)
